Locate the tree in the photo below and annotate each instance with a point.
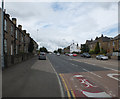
(55, 51)
(43, 49)
(103, 51)
(97, 48)
(59, 50)
(31, 46)
(84, 48)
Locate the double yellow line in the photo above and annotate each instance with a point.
(66, 87)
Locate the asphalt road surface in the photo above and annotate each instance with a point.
(85, 80)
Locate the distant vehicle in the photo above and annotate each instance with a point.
(81, 55)
(87, 55)
(102, 57)
(42, 56)
(67, 54)
(70, 54)
(58, 54)
(74, 54)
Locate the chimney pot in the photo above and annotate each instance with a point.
(24, 31)
(8, 15)
(20, 27)
(14, 20)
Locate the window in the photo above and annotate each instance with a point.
(5, 45)
(11, 30)
(22, 38)
(16, 34)
(11, 49)
(5, 25)
(16, 49)
(113, 43)
(119, 45)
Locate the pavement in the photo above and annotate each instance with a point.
(32, 78)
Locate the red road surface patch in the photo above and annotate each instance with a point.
(85, 85)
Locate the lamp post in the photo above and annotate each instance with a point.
(2, 35)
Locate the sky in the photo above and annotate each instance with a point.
(57, 24)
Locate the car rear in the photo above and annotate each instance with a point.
(42, 56)
(74, 55)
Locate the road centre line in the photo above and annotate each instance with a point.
(110, 69)
(92, 73)
(98, 65)
(74, 64)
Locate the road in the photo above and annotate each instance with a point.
(81, 79)
(60, 76)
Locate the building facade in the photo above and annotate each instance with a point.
(74, 48)
(103, 43)
(16, 41)
(110, 45)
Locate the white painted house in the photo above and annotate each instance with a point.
(74, 48)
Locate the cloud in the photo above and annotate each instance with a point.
(57, 24)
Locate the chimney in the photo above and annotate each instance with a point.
(24, 31)
(5, 10)
(102, 35)
(8, 15)
(28, 34)
(20, 27)
(14, 20)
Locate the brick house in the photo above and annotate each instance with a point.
(114, 44)
(103, 43)
(0, 34)
(35, 47)
(16, 41)
(114, 47)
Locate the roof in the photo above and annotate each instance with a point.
(117, 37)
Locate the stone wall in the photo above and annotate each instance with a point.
(14, 59)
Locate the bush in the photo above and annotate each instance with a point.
(75, 52)
(91, 52)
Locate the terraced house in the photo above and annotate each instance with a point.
(16, 42)
(110, 45)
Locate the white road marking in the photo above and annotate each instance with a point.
(59, 81)
(100, 94)
(110, 69)
(111, 76)
(92, 73)
(74, 64)
(78, 76)
(97, 64)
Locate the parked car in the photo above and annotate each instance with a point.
(74, 54)
(81, 55)
(87, 55)
(42, 56)
(70, 54)
(58, 54)
(102, 57)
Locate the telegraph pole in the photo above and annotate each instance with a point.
(2, 35)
